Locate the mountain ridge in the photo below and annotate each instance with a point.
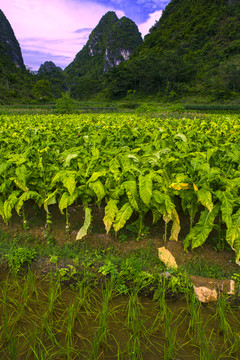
(9, 45)
(111, 42)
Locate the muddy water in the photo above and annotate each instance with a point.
(41, 318)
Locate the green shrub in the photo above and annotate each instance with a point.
(65, 104)
(19, 256)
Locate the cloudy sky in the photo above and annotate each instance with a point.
(57, 30)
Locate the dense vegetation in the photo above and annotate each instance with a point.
(193, 49)
(133, 166)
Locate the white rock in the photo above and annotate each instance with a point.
(205, 294)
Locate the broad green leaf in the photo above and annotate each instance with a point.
(26, 196)
(96, 175)
(133, 157)
(69, 183)
(67, 177)
(210, 152)
(87, 222)
(95, 153)
(98, 188)
(1, 208)
(68, 159)
(237, 250)
(158, 196)
(226, 207)
(21, 178)
(145, 188)
(3, 167)
(67, 200)
(110, 213)
(205, 198)
(199, 233)
(22, 174)
(233, 234)
(168, 204)
(157, 215)
(122, 216)
(131, 190)
(9, 204)
(181, 136)
(64, 201)
(50, 200)
(21, 185)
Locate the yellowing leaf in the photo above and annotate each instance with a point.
(195, 187)
(176, 226)
(167, 258)
(87, 222)
(110, 213)
(180, 186)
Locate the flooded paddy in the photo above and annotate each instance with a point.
(43, 318)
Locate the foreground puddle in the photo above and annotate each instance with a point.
(44, 319)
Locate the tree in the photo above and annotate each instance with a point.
(42, 90)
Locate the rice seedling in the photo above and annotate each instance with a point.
(224, 327)
(160, 296)
(12, 347)
(54, 291)
(170, 337)
(207, 350)
(84, 294)
(194, 311)
(42, 352)
(135, 327)
(100, 334)
(234, 349)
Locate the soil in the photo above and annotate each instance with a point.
(125, 241)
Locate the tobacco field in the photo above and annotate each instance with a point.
(134, 166)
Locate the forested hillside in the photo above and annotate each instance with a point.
(15, 81)
(193, 49)
(191, 53)
(111, 42)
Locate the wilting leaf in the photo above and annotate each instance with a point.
(87, 222)
(176, 225)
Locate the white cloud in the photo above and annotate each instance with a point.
(50, 26)
(146, 26)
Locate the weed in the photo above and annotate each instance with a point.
(19, 256)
